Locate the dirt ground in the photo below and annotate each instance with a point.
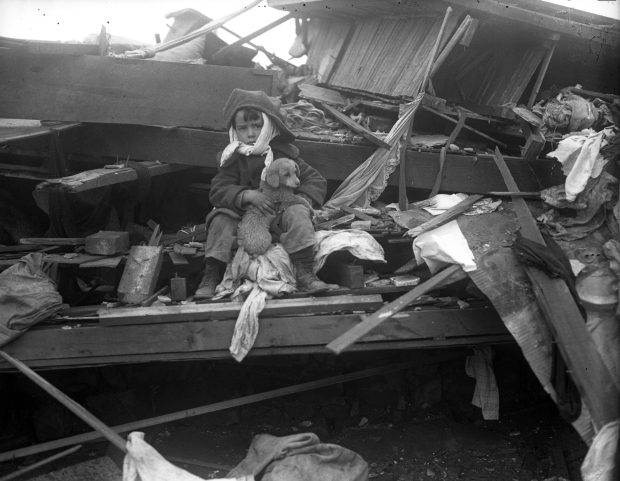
(415, 424)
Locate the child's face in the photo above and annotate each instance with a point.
(247, 130)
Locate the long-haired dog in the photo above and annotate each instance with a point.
(281, 180)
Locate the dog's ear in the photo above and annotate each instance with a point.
(297, 169)
(272, 177)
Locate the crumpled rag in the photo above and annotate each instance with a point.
(254, 280)
(27, 296)
(143, 463)
(486, 394)
(300, 457)
(358, 242)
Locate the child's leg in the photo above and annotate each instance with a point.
(297, 229)
(221, 236)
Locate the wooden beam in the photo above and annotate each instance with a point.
(512, 11)
(89, 88)
(467, 127)
(209, 27)
(209, 408)
(224, 50)
(90, 344)
(53, 241)
(438, 179)
(445, 217)
(43, 462)
(543, 69)
(198, 148)
(591, 376)
(354, 126)
(67, 402)
(456, 36)
(369, 323)
(230, 310)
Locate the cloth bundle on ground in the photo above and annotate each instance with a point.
(144, 463)
(27, 296)
(300, 457)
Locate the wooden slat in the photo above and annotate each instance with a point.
(355, 127)
(122, 91)
(95, 178)
(199, 148)
(369, 323)
(576, 344)
(87, 345)
(445, 217)
(53, 241)
(230, 310)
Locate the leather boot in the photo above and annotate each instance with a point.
(307, 281)
(210, 279)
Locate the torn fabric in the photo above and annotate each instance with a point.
(358, 242)
(143, 463)
(254, 280)
(366, 183)
(486, 395)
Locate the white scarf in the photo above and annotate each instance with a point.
(260, 147)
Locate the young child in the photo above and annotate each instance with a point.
(258, 135)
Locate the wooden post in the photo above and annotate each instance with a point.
(431, 60)
(451, 44)
(66, 401)
(437, 185)
(543, 69)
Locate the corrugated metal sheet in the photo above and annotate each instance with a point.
(389, 56)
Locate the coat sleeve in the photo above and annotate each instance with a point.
(313, 184)
(225, 187)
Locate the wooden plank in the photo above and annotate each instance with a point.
(199, 148)
(47, 47)
(95, 178)
(593, 380)
(76, 408)
(237, 43)
(355, 127)
(445, 217)
(53, 241)
(386, 312)
(209, 408)
(543, 69)
(121, 91)
(230, 310)
(43, 462)
(439, 178)
(467, 127)
(567, 26)
(91, 344)
(322, 94)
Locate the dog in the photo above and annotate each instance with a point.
(281, 180)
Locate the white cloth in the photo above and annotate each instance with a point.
(143, 463)
(581, 158)
(358, 242)
(599, 463)
(486, 394)
(260, 147)
(255, 280)
(444, 245)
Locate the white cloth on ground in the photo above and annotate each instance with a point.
(444, 245)
(143, 463)
(599, 463)
(486, 395)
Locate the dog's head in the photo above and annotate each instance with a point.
(283, 172)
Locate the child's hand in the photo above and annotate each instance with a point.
(260, 201)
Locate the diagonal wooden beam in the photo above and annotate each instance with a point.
(249, 37)
(591, 376)
(368, 323)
